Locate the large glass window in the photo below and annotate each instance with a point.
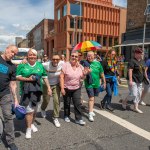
(58, 14)
(64, 10)
(99, 39)
(75, 9)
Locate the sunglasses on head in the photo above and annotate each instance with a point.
(74, 56)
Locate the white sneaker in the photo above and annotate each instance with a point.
(138, 111)
(28, 133)
(67, 119)
(91, 117)
(43, 113)
(56, 122)
(142, 103)
(93, 114)
(124, 106)
(34, 128)
(80, 122)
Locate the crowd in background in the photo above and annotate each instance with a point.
(55, 77)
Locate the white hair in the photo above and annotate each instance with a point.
(33, 51)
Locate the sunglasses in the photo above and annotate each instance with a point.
(55, 59)
(74, 56)
(79, 55)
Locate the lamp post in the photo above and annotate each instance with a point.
(74, 30)
(80, 22)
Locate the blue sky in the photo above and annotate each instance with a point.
(18, 17)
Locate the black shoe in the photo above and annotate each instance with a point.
(102, 105)
(110, 108)
(12, 147)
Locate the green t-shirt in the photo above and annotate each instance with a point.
(26, 70)
(96, 71)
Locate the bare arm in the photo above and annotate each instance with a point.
(146, 68)
(13, 87)
(104, 80)
(20, 78)
(48, 86)
(62, 83)
(130, 77)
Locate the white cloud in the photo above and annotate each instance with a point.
(20, 16)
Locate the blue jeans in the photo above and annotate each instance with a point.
(108, 96)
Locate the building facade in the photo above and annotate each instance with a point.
(80, 20)
(134, 36)
(36, 37)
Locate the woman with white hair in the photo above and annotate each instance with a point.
(30, 75)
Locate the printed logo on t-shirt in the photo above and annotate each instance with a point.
(3, 69)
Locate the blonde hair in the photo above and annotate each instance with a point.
(33, 51)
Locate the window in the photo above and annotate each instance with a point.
(104, 41)
(75, 9)
(147, 11)
(64, 10)
(98, 39)
(58, 14)
(79, 24)
(71, 23)
(70, 39)
(110, 41)
(116, 41)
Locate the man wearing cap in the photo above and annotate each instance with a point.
(135, 77)
(8, 92)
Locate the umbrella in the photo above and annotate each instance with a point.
(87, 46)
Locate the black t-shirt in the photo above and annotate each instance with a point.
(138, 70)
(107, 70)
(7, 74)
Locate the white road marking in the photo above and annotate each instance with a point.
(133, 128)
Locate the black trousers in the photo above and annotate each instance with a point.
(75, 96)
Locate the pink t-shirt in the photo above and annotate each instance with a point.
(72, 77)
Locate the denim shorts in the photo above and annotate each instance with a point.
(92, 92)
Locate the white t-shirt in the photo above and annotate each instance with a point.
(53, 76)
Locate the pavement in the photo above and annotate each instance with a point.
(120, 130)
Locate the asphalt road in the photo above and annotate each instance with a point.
(105, 133)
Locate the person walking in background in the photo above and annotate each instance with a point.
(70, 82)
(53, 69)
(146, 86)
(30, 75)
(7, 92)
(45, 58)
(63, 58)
(111, 74)
(136, 75)
(93, 88)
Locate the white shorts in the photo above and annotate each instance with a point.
(31, 108)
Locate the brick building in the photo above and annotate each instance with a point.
(135, 28)
(80, 20)
(36, 37)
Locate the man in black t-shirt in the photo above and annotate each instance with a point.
(136, 75)
(8, 92)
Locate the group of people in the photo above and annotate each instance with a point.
(55, 77)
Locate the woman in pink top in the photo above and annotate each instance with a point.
(70, 82)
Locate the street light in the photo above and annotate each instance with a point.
(74, 31)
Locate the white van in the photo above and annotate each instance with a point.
(22, 53)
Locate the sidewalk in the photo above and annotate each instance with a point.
(123, 82)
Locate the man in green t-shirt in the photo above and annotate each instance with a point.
(93, 88)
